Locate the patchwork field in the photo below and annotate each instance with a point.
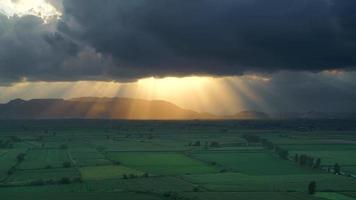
(164, 160)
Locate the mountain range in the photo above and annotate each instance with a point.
(127, 108)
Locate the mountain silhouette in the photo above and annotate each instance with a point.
(96, 108)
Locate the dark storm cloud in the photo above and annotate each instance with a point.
(129, 39)
(329, 91)
(218, 37)
(28, 49)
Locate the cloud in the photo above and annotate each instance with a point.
(125, 40)
(219, 37)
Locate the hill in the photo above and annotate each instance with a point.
(96, 108)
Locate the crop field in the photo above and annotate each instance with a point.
(7, 160)
(331, 157)
(251, 162)
(170, 160)
(82, 196)
(88, 157)
(28, 176)
(44, 158)
(250, 195)
(268, 183)
(107, 172)
(159, 163)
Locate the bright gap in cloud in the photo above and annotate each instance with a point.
(39, 8)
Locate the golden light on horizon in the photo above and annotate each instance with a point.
(217, 95)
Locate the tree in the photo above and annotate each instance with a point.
(337, 168)
(196, 144)
(124, 176)
(252, 138)
(214, 144)
(67, 164)
(312, 187)
(296, 158)
(64, 180)
(20, 157)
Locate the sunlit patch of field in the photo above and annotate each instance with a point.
(162, 163)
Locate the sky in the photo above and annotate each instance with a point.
(210, 56)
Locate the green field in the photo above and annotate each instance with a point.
(107, 172)
(81, 196)
(240, 182)
(250, 195)
(28, 176)
(254, 163)
(162, 163)
(7, 160)
(331, 157)
(88, 157)
(178, 160)
(333, 196)
(44, 158)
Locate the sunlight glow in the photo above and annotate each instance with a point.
(39, 8)
(217, 95)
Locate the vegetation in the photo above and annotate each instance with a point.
(158, 160)
(312, 187)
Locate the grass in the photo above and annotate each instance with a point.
(153, 184)
(162, 163)
(254, 163)
(8, 160)
(88, 157)
(250, 195)
(161, 149)
(27, 176)
(332, 157)
(107, 172)
(42, 158)
(320, 147)
(333, 196)
(268, 183)
(81, 196)
(349, 169)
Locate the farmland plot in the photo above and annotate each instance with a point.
(88, 157)
(330, 157)
(240, 182)
(8, 160)
(107, 172)
(161, 163)
(27, 176)
(250, 195)
(44, 158)
(255, 162)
